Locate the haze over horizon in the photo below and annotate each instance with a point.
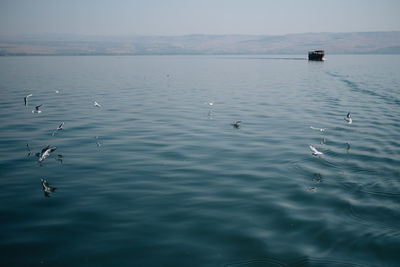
(178, 17)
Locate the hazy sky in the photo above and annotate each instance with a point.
(178, 17)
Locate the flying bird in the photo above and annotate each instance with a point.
(315, 152)
(318, 129)
(58, 128)
(348, 118)
(26, 99)
(96, 104)
(236, 124)
(36, 110)
(46, 152)
(47, 189)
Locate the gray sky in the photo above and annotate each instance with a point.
(179, 17)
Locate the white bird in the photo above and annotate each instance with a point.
(46, 152)
(47, 189)
(57, 91)
(348, 118)
(318, 129)
(26, 99)
(58, 128)
(315, 152)
(236, 124)
(96, 104)
(36, 110)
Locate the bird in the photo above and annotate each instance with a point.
(46, 152)
(26, 99)
(47, 189)
(348, 118)
(315, 152)
(319, 129)
(317, 178)
(312, 189)
(236, 124)
(57, 91)
(96, 104)
(58, 128)
(36, 110)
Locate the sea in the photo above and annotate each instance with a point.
(158, 175)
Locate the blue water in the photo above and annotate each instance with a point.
(158, 177)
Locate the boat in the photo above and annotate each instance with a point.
(317, 55)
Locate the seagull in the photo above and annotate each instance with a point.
(236, 124)
(46, 152)
(36, 110)
(58, 128)
(319, 129)
(26, 99)
(57, 91)
(315, 152)
(96, 104)
(348, 118)
(317, 178)
(312, 189)
(47, 189)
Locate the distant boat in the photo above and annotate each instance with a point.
(317, 55)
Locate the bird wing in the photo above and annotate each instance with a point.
(44, 149)
(25, 100)
(37, 107)
(313, 149)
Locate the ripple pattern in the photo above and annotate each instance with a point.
(158, 177)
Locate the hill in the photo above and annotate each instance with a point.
(333, 43)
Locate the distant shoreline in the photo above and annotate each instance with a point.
(133, 55)
(290, 44)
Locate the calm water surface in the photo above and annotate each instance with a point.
(158, 177)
